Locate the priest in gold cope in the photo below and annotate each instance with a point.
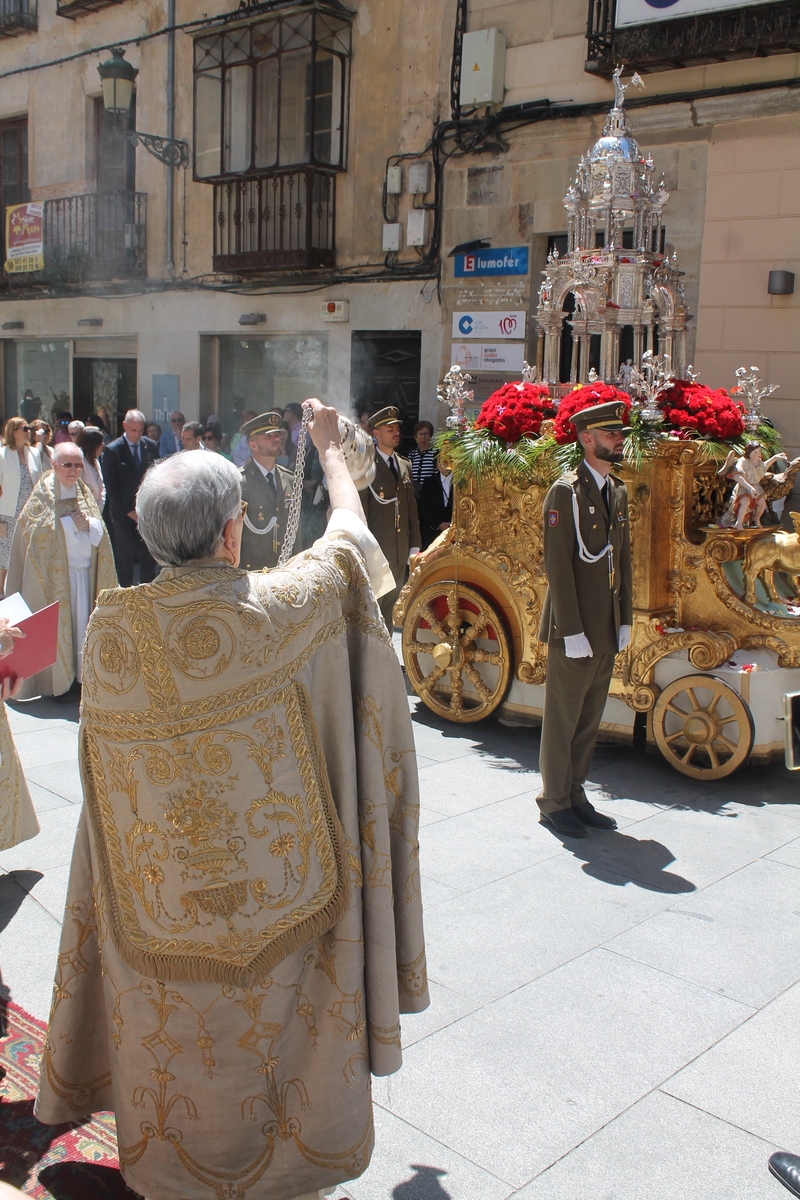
(586, 617)
(266, 489)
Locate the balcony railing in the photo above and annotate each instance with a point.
(750, 32)
(280, 221)
(101, 235)
(17, 16)
(79, 8)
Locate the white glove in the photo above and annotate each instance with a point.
(577, 645)
(624, 636)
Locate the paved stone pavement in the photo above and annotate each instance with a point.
(613, 1019)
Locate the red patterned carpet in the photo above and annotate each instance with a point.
(50, 1162)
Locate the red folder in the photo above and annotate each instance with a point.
(37, 650)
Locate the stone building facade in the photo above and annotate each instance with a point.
(292, 113)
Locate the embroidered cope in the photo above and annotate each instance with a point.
(243, 920)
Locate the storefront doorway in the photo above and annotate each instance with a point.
(104, 383)
(385, 369)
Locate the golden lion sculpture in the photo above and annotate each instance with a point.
(778, 551)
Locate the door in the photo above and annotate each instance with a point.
(384, 369)
(108, 383)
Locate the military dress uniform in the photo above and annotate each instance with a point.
(390, 506)
(267, 507)
(587, 558)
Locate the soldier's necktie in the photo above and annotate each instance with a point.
(273, 485)
(393, 467)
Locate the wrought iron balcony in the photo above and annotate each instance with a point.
(280, 221)
(750, 32)
(79, 8)
(101, 235)
(17, 16)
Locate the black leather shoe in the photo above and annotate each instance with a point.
(564, 822)
(786, 1168)
(590, 816)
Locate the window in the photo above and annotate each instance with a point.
(13, 169)
(115, 157)
(271, 94)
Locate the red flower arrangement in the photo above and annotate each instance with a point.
(516, 410)
(585, 397)
(696, 410)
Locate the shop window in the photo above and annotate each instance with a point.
(271, 94)
(259, 373)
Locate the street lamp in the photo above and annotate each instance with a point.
(117, 77)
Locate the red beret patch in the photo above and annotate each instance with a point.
(552, 518)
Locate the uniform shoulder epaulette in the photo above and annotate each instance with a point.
(569, 477)
(403, 458)
(286, 470)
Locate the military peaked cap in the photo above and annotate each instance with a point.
(268, 422)
(610, 416)
(385, 416)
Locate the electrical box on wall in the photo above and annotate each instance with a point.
(392, 236)
(417, 228)
(483, 68)
(394, 181)
(335, 310)
(419, 178)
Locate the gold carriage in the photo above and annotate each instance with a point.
(716, 636)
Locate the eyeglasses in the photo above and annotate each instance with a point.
(25, 428)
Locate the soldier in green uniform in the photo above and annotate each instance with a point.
(587, 615)
(266, 487)
(390, 505)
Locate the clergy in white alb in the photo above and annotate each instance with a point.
(61, 551)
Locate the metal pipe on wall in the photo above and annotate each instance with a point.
(170, 196)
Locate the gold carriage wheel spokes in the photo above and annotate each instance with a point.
(703, 745)
(454, 617)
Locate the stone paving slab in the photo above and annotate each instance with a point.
(28, 948)
(502, 936)
(733, 937)
(751, 1078)
(415, 1167)
(661, 1149)
(52, 847)
(549, 1065)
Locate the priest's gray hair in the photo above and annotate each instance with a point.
(184, 503)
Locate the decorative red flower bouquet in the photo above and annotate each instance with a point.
(585, 397)
(516, 410)
(699, 411)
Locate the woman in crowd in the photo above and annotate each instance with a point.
(62, 428)
(41, 435)
(153, 431)
(423, 456)
(20, 470)
(212, 440)
(91, 443)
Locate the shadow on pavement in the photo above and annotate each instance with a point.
(47, 709)
(617, 858)
(14, 887)
(80, 1181)
(424, 1185)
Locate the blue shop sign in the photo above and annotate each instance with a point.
(510, 260)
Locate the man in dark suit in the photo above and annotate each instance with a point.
(390, 505)
(171, 438)
(586, 617)
(266, 488)
(435, 503)
(124, 464)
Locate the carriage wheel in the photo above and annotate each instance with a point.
(456, 652)
(703, 727)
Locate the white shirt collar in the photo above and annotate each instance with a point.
(599, 479)
(133, 445)
(446, 482)
(265, 471)
(67, 493)
(386, 457)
